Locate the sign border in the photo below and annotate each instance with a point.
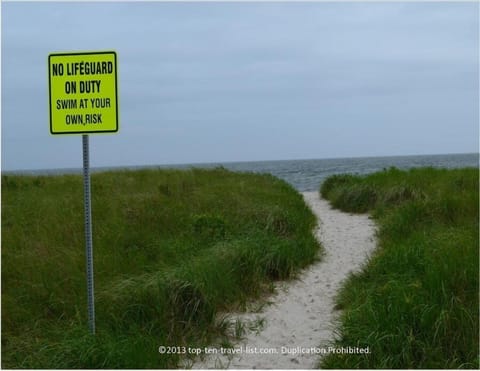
(50, 93)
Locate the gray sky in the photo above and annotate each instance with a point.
(218, 82)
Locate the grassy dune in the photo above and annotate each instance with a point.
(171, 249)
(416, 303)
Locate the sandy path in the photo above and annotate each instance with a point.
(302, 313)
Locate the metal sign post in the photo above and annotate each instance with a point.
(83, 100)
(88, 234)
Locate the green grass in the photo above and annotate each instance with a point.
(171, 250)
(416, 303)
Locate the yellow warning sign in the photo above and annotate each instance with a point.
(83, 92)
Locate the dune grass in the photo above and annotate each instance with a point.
(416, 303)
(171, 249)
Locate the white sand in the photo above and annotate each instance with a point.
(302, 313)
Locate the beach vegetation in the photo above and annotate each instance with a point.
(173, 249)
(416, 302)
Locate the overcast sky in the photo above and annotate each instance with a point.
(218, 82)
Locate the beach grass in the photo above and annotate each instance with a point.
(416, 302)
(172, 249)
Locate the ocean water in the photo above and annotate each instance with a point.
(307, 175)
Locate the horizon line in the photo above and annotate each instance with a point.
(79, 168)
